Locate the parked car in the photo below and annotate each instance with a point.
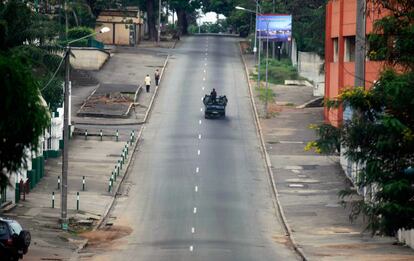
(14, 241)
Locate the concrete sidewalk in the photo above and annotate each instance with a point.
(90, 157)
(308, 183)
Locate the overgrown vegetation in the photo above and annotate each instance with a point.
(278, 71)
(380, 135)
(266, 94)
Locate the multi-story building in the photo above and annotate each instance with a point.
(340, 51)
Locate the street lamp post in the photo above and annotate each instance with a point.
(257, 12)
(159, 22)
(66, 131)
(267, 66)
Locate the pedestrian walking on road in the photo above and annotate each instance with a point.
(147, 81)
(157, 77)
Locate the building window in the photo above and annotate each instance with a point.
(335, 49)
(349, 55)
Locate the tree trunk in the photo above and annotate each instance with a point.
(182, 22)
(151, 20)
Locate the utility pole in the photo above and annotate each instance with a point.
(255, 32)
(360, 44)
(267, 66)
(159, 22)
(273, 42)
(66, 20)
(64, 189)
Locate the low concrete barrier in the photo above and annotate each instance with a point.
(406, 237)
(86, 58)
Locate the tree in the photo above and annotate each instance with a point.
(380, 135)
(22, 113)
(185, 10)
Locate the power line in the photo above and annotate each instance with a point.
(54, 74)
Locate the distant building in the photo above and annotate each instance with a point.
(340, 52)
(126, 27)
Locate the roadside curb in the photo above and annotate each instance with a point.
(268, 163)
(126, 172)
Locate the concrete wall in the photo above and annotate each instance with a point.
(309, 66)
(88, 58)
(406, 237)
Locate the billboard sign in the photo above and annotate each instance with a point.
(277, 28)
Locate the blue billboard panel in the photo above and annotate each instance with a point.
(277, 28)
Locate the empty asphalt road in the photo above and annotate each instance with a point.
(198, 189)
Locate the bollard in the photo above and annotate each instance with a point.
(53, 199)
(83, 183)
(100, 134)
(86, 134)
(114, 175)
(123, 157)
(117, 169)
(117, 135)
(58, 182)
(77, 200)
(110, 185)
(133, 135)
(120, 164)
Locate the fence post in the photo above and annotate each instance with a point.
(58, 182)
(77, 200)
(83, 183)
(117, 135)
(86, 134)
(100, 133)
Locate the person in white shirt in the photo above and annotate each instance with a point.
(147, 81)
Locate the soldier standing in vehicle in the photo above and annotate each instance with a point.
(147, 81)
(213, 95)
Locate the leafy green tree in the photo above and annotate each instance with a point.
(185, 10)
(22, 113)
(380, 135)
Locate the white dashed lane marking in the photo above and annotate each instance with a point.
(199, 122)
(197, 169)
(199, 136)
(198, 152)
(195, 210)
(196, 188)
(191, 248)
(193, 230)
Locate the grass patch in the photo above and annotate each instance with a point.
(278, 71)
(263, 94)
